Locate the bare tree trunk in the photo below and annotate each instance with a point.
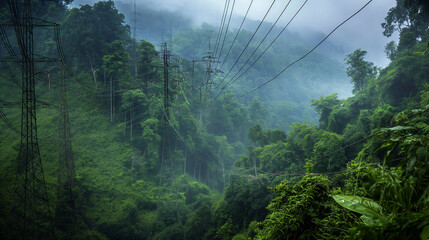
(125, 122)
(114, 99)
(111, 101)
(223, 168)
(131, 127)
(94, 77)
(184, 164)
(254, 165)
(201, 119)
(223, 173)
(132, 163)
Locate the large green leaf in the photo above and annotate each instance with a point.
(371, 211)
(425, 233)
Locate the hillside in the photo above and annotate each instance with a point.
(287, 97)
(153, 152)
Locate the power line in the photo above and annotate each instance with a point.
(309, 52)
(236, 35)
(6, 121)
(187, 145)
(166, 135)
(222, 23)
(313, 174)
(31, 202)
(248, 43)
(12, 76)
(266, 49)
(226, 31)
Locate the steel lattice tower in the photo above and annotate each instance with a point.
(165, 59)
(31, 203)
(65, 217)
(167, 187)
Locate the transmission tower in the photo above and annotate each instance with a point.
(65, 216)
(31, 204)
(166, 63)
(31, 199)
(134, 38)
(167, 188)
(205, 86)
(209, 60)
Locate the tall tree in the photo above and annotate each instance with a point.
(229, 118)
(257, 136)
(116, 59)
(391, 50)
(359, 69)
(147, 56)
(257, 113)
(87, 31)
(407, 14)
(324, 107)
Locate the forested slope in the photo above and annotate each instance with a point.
(222, 171)
(287, 99)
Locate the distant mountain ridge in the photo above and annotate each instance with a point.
(321, 73)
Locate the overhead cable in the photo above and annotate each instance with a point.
(260, 43)
(248, 43)
(226, 31)
(308, 53)
(236, 35)
(266, 49)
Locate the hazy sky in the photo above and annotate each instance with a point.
(363, 31)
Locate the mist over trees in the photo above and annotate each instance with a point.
(192, 160)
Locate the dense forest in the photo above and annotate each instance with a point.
(123, 155)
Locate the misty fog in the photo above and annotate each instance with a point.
(209, 119)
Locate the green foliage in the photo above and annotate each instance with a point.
(276, 157)
(326, 144)
(174, 232)
(407, 15)
(240, 236)
(116, 60)
(371, 211)
(304, 211)
(245, 200)
(302, 139)
(276, 135)
(338, 119)
(89, 29)
(151, 142)
(227, 231)
(407, 40)
(257, 136)
(397, 208)
(228, 117)
(395, 211)
(121, 195)
(131, 98)
(200, 224)
(147, 57)
(195, 192)
(257, 113)
(359, 70)
(425, 96)
(391, 50)
(324, 106)
(284, 101)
